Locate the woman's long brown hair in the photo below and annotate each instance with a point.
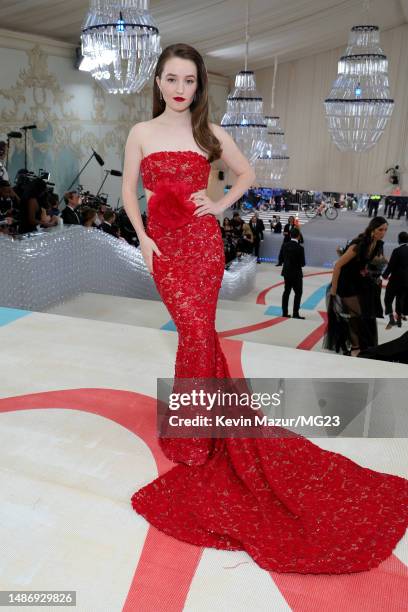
(202, 133)
(364, 240)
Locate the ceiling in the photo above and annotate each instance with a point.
(289, 29)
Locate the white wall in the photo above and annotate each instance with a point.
(316, 163)
(40, 85)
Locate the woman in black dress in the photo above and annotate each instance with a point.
(355, 293)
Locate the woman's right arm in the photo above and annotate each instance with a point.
(342, 261)
(133, 158)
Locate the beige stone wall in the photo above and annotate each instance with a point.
(316, 163)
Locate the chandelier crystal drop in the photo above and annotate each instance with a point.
(244, 119)
(271, 167)
(122, 42)
(359, 105)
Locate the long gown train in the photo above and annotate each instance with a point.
(291, 505)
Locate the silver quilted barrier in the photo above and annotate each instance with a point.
(46, 268)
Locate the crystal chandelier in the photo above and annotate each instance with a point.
(122, 43)
(271, 167)
(244, 119)
(359, 105)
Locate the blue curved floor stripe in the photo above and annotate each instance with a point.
(169, 326)
(313, 300)
(310, 303)
(8, 315)
(275, 311)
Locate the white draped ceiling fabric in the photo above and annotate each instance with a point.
(309, 37)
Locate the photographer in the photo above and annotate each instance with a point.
(3, 153)
(8, 208)
(9, 200)
(32, 206)
(53, 208)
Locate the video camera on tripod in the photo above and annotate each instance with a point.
(25, 177)
(89, 200)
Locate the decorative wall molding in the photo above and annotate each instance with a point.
(18, 40)
(72, 113)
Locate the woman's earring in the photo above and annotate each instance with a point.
(161, 95)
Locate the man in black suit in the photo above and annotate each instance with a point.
(293, 256)
(276, 225)
(260, 226)
(402, 208)
(398, 284)
(108, 224)
(392, 205)
(254, 225)
(69, 215)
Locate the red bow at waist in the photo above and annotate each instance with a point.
(170, 206)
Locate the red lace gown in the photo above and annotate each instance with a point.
(291, 505)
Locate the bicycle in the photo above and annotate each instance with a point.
(315, 210)
(247, 207)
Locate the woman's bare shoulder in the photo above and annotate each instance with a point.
(140, 128)
(141, 134)
(146, 128)
(227, 143)
(217, 130)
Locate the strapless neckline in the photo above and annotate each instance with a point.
(166, 152)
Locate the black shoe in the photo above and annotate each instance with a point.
(297, 316)
(278, 265)
(399, 322)
(285, 315)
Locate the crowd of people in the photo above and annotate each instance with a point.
(394, 205)
(354, 299)
(240, 237)
(354, 302)
(30, 206)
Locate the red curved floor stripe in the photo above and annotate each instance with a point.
(383, 589)
(261, 296)
(250, 328)
(155, 586)
(233, 354)
(312, 339)
(166, 589)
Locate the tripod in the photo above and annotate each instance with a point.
(25, 128)
(107, 173)
(98, 159)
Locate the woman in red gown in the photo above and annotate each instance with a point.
(291, 505)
